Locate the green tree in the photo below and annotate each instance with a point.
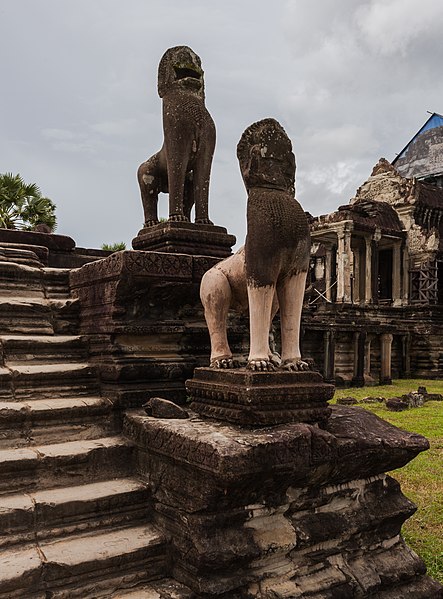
(22, 205)
(114, 247)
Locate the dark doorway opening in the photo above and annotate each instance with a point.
(385, 275)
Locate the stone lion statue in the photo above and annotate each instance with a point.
(182, 166)
(270, 271)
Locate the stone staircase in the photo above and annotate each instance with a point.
(74, 519)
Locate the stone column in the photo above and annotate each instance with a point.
(385, 358)
(374, 264)
(358, 379)
(328, 273)
(344, 265)
(396, 274)
(406, 280)
(367, 358)
(406, 356)
(368, 270)
(357, 274)
(329, 352)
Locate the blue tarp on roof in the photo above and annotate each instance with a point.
(435, 120)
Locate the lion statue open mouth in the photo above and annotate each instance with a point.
(182, 167)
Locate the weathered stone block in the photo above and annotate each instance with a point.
(285, 511)
(259, 398)
(130, 290)
(143, 312)
(185, 238)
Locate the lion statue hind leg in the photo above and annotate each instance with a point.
(215, 294)
(150, 180)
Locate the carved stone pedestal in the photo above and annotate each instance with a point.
(143, 315)
(185, 238)
(259, 398)
(284, 512)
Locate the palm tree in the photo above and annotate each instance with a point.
(22, 205)
(114, 247)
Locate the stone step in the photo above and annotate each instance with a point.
(19, 280)
(56, 282)
(61, 464)
(6, 392)
(44, 421)
(65, 316)
(42, 348)
(163, 589)
(19, 315)
(30, 255)
(82, 566)
(38, 316)
(51, 513)
(46, 381)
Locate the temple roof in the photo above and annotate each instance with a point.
(423, 154)
(371, 214)
(378, 214)
(367, 215)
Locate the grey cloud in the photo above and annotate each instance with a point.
(395, 26)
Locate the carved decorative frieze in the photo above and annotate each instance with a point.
(260, 398)
(140, 264)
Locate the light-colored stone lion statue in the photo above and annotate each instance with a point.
(182, 166)
(270, 271)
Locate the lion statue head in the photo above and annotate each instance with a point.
(265, 156)
(180, 70)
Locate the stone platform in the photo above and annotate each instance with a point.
(143, 315)
(185, 238)
(288, 511)
(260, 398)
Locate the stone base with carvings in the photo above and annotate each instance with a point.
(287, 511)
(185, 238)
(259, 398)
(143, 316)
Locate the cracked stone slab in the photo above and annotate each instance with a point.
(58, 564)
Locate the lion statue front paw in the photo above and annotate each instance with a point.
(151, 223)
(261, 365)
(179, 218)
(275, 359)
(224, 362)
(204, 221)
(295, 365)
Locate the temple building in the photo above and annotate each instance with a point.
(375, 308)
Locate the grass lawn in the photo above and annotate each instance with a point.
(422, 479)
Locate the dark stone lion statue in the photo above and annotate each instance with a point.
(270, 272)
(182, 166)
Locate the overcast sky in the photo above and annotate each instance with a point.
(350, 81)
